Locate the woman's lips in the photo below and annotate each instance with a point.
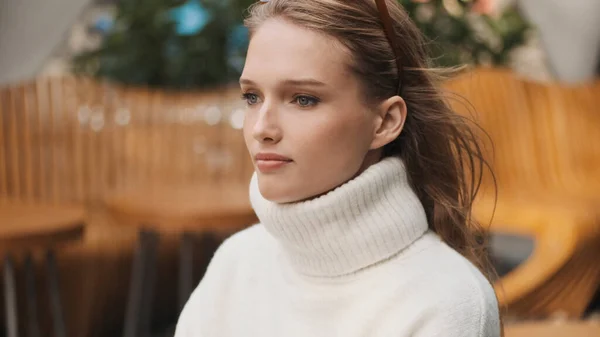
(269, 162)
(270, 165)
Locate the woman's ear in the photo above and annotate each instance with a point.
(392, 115)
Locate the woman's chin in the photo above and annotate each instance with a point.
(281, 192)
(277, 195)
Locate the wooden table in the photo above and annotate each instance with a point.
(26, 227)
(29, 226)
(554, 329)
(206, 210)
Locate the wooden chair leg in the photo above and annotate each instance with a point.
(186, 268)
(33, 325)
(135, 292)
(58, 320)
(151, 239)
(141, 288)
(10, 297)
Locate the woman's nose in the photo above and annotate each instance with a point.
(266, 128)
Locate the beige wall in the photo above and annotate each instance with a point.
(30, 30)
(570, 32)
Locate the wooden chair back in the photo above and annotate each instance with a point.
(543, 136)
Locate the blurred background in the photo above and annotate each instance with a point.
(122, 164)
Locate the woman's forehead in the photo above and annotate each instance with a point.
(282, 49)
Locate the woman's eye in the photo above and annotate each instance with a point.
(306, 101)
(251, 99)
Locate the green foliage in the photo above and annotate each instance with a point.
(460, 36)
(144, 46)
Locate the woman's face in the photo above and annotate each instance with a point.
(306, 127)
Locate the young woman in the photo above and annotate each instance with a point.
(362, 186)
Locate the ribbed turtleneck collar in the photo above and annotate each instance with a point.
(362, 222)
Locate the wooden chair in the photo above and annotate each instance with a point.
(25, 230)
(546, 158)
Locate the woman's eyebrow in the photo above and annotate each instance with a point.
(246, 81)
(296, 82)
(305, 82)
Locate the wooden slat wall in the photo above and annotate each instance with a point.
(75, 140)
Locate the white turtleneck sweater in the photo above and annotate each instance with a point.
(357, 261)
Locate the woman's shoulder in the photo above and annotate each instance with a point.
(247, 236)
(453, 291)
(245, 243)
(252, 237)
(235, 260)
(444, 269)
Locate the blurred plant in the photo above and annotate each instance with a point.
(468, 31)
(185, 44)
(103, 24)
(177, 44)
